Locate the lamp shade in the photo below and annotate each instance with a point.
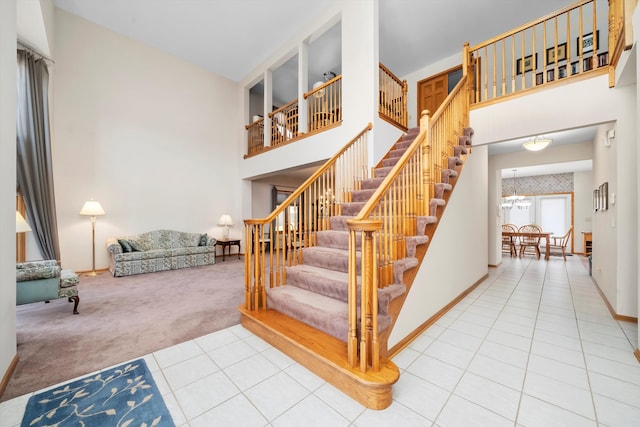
(92, 208)
(225, 220)
(21, 224)
(536, 144)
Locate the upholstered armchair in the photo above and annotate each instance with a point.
(44, 281)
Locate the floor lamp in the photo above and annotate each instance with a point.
(92, 208)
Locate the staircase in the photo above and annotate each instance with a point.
(308, 318)
(316, 291)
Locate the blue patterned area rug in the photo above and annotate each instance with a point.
(124, 396)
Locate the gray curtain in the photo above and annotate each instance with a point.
(34, 165)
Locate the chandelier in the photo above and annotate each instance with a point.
(515, 200)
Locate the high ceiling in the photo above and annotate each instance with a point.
(232, 37)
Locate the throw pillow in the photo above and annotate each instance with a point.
(135, 247)
(126, 246)
(203, 240)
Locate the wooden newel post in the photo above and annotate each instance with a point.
(369, 348)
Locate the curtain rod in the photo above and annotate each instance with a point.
(31, 49)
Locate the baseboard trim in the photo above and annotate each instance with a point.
(613, 313)
(7, 375)
(404, 343)
(637, 354)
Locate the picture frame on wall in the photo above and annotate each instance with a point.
(596, 200)
(551, 53)
(562, 71)
(587, 42)
(604, 196)
(522, 66)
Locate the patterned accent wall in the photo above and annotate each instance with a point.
(541, 184)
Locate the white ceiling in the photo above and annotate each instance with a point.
(232, 37)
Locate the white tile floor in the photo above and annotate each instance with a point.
(533, 345)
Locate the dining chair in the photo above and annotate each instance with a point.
(509, 242)
(561, 243)
(530, 242)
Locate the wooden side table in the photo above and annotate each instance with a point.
(227, 243)
(587, 242)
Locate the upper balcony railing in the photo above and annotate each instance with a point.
(284, 123)
(568, 43)
(324, 104)
(392, 105)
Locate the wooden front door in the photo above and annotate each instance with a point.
(433, 90)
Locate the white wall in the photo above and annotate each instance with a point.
(7, 185)
(582, 208)
(153, 138)
(460, 239)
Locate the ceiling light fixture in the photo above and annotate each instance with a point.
(537, 144)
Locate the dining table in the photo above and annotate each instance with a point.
(532, 234)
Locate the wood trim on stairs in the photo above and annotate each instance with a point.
(637, 354)
(8, 374)
(324, 355)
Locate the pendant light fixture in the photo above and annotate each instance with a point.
(515, 200)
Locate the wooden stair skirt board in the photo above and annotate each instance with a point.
(323, 355)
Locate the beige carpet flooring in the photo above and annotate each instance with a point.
(122, 318)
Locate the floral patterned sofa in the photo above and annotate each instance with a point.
(159, 250)
(44, 281)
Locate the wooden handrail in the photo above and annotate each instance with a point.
(276, 241)
(391, 214)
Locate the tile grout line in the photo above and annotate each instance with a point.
(484, 339)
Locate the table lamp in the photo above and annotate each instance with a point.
(225, 222)
(92, 208)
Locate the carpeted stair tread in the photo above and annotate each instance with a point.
(390, 162)
(459, 150)
(383, 171)
(335, 284)
(338, 239)
(339, 222)
(371, 183)
(352, 208)
(440, 188)
(402, 265)
(412, 242)
(434, 204)
(330, 258)
(324, 281)
(362, 195)
(319, 311)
